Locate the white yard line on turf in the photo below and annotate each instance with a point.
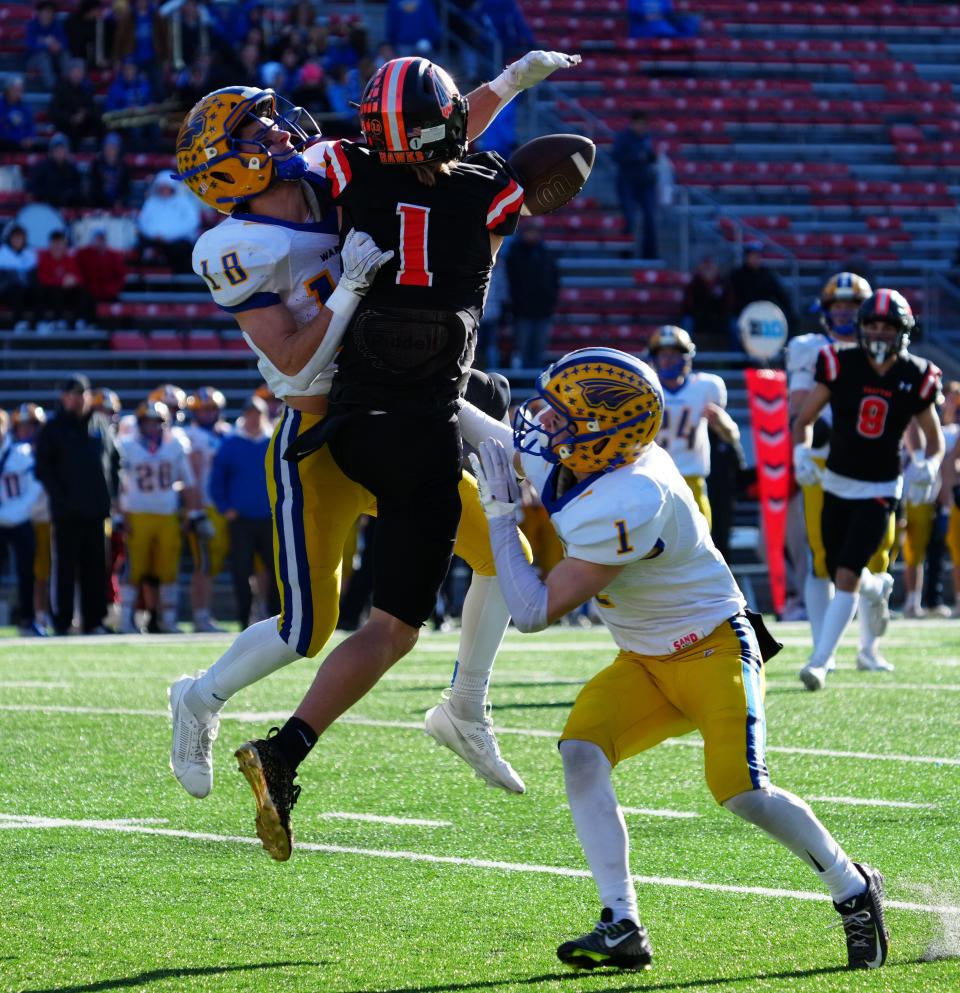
(853, 801)
(657, 812)
(265, 716)
(871, 683)
(384, 819)
(121, 827)
(33, 684)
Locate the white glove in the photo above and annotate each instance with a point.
(919, 477)
(807, 471)
(496, 479)
(202, 526)
(360, 261)
(533, 68)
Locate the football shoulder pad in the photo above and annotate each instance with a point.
(617, 520)
(240, 260)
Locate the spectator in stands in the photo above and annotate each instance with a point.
(46, 44)
(249, 62)
(78, 463)
(169, 221)
(102, 268)
(73, 110)
(190, 27)
(90, 33)
(194, 81)
(57, 180)
(534, 278)
(63, 297)
(359, 76)
(142, 35)
(132, 90)
(311, 92)
(18, 277)
(343, 123)
(18, 500)
(658, 19)
(413, 27)
(636, 159)
(754, 281)
(109, 176)
(238, 487)
(705, 305)
(508, 24)
(17, 130)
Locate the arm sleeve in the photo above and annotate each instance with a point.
(828, 367)
(929, 387)
(503, 212)
(526, 596)
(477, 427)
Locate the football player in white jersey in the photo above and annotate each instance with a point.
(20, 493)
(275, 263)
(205, 432)
(154, 473)
(689, 656)
(840, 299)
(693, 402)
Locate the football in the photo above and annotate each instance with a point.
(552, 170)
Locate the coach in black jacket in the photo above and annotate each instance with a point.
(78, 462)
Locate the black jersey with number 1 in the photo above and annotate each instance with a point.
(412, 339)
(870, 411)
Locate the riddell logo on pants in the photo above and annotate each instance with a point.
(688, 639)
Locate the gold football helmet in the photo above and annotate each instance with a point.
(206, 398)
(670, 336)
(844, 287)
(29, 413)
(609, 406)
(224, 170)
(172, 397)
(106, 400)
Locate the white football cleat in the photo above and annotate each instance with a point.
(878, 606)
(475, 743)
(191, 755)
(814, 677)
(873, 662)
(914, 611)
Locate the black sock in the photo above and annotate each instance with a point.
(294, 741)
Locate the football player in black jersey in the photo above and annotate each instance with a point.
(874, 391)
(401, 370)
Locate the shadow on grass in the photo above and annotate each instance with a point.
(637, 983)
(156, 975)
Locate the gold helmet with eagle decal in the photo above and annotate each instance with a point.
(223, 169)
(672, 339)
(609, 406)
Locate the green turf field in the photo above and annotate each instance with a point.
(114, 879)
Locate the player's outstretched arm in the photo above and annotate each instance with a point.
(815, 401)
(488, 99)
(722, 423)
(302, 353)
(929, 424)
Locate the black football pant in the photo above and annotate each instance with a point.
(853, 529)
(79, 558)
(22, 539)
(411, 464)
(249, 537)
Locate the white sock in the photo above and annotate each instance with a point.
(912, 601)
(871, 585)
(600, 826)
(255, 653)
(791, 821)
(817, 594)
(483, 624)
(835, 621)
(168, 596)
(868, 640)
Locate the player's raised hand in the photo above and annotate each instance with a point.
(360, 259)
(534, 67)
(496, 479)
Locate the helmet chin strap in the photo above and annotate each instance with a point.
(291, 168)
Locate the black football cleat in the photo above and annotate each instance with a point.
(623, 945)
(271, 780)
(862, 919)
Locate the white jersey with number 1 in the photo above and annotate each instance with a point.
(675, 587)
(684, 430)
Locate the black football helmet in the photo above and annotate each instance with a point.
(411, 112)
(890, 307)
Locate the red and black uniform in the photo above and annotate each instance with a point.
(406, 355)
(862, 482)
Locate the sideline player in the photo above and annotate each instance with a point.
(154, 474)
(840, 299)
(690, 657)
(694, 402)
(278, 249)
(205, 432)
(874, 390)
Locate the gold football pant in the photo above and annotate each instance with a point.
(698, 487)
(917, 534)
(208, 555)
(716, 686)
(153, 547)
(953, 540)
(41, 555)
(314, 509)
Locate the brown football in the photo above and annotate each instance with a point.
(552, 170)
